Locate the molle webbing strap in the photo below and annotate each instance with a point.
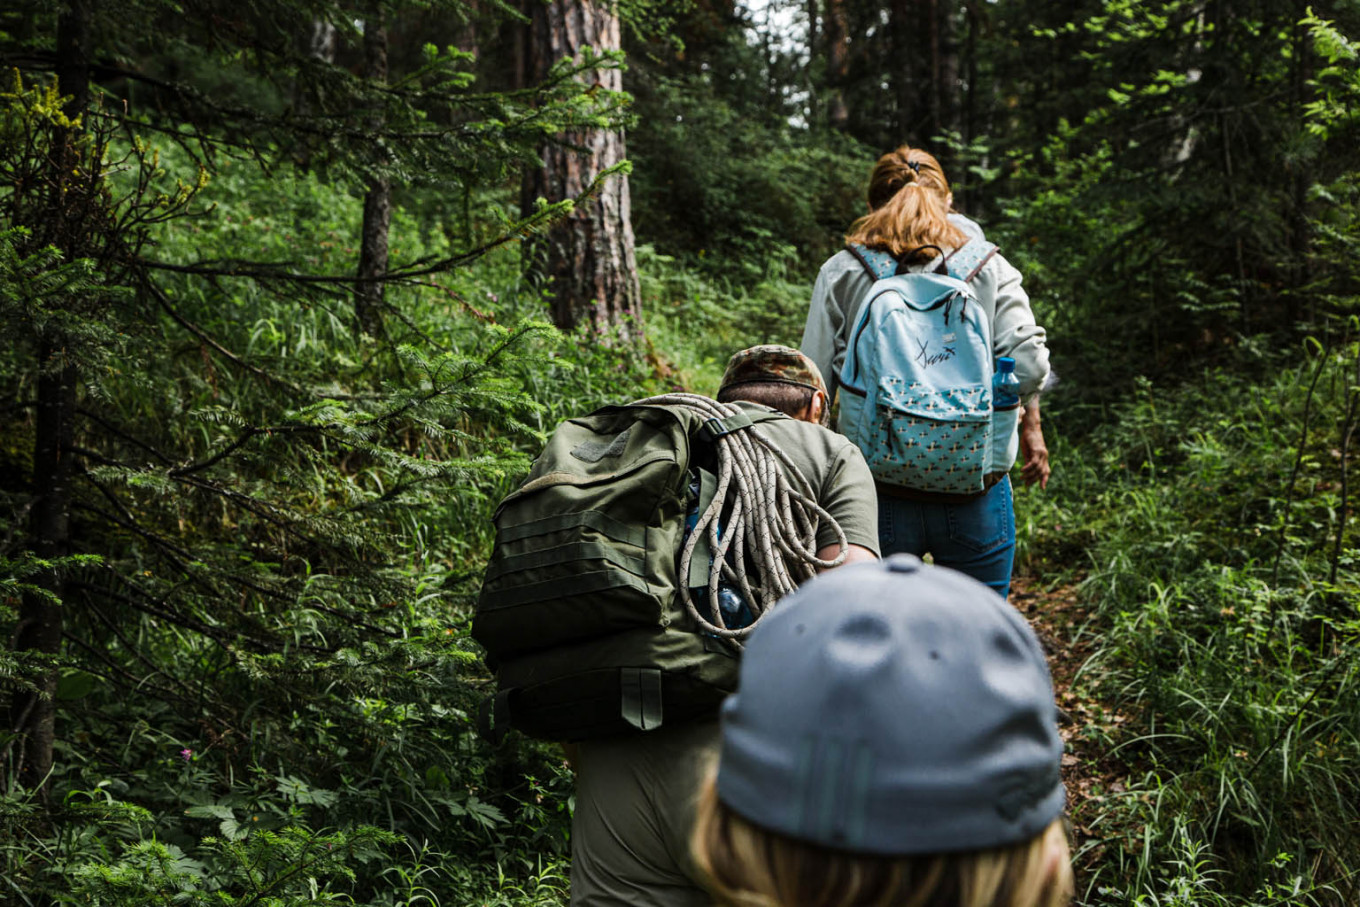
(640, 697)
(564, 587)
(591, 519)
(715, 428)
(574, 552)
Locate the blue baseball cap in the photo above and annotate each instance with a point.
(894, 708)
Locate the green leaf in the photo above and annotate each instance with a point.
(75, 685)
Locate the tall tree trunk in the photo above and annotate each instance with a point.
(837, 63)
(925, 76)
(813, 88)
(968, 198)
(948, 85)
(468, 37)
(906, 28)
(321, 40)
(318, 41)
(33, 714)
(1300, 73)
(936, 90)
(368, 290)
(587, 256)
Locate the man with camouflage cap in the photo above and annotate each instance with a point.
(635, 795)
(780, 378)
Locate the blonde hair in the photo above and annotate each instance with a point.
(908, 207)
(744, 865)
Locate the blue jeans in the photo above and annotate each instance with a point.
(976, 537)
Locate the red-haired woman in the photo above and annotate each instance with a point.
(910, 218)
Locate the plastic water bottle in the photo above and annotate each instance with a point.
(1005, 384)
(733, 611)
(732, 605)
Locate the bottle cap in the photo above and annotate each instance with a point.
(1005, 364)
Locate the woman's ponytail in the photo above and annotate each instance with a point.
(908, 207)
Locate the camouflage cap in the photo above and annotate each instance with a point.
(772, 363)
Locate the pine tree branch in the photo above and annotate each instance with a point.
(134, 651)
(203, 335)
(132, 681)
(161, 609)
(118, 432)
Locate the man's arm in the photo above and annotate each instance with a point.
(855, 555)
(849, 496)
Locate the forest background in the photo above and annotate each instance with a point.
(290, 291)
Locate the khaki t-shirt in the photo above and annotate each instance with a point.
(840, 478)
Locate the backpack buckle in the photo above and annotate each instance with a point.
(715, 428)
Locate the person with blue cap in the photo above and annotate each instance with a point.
(893, 741)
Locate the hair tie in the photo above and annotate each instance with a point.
(915, 166)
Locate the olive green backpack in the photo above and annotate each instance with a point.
(579, 612)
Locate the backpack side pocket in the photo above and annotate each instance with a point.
(1005, 439)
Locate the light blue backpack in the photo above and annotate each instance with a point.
(918, 377)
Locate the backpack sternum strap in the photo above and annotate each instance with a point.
(715, 428)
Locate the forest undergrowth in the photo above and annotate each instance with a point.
(1184, 568)
(266, 692)
(1186, 575)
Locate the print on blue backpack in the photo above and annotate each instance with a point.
(918, 371)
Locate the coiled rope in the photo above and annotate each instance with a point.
(773, 516)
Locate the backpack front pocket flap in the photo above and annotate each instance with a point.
(587, 546)
(947, 404)
(572, 576)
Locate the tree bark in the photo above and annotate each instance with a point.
(1300, 73)
(33, 714)
(318, 42)
(837, 63)
(321, 40)
(588, 256)
(905, 31)
(468, 37)
(368, 289)
(968, 124)
(810, 74)
(948, 86)
(925, 74)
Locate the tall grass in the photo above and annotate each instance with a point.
(1220, 562)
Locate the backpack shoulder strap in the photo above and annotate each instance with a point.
(965, 261)
(879, 264)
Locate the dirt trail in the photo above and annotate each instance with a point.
(1057, 616)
